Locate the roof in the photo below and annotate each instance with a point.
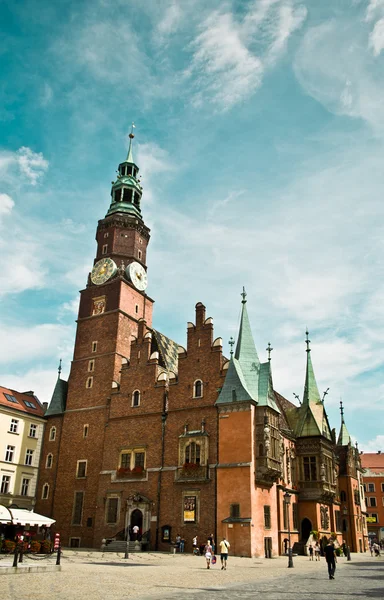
(25, 402)
(20, 516)
(59, 398)
(266, 392)
(370, 460)
(168, 351)
(344, 438)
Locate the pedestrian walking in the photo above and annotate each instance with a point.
(211, 540)
(195, 546)
(310, 550)
(317, 551)
(208, 551)
(182, 544)
(135, 530)
(330, 557)
(224, 547)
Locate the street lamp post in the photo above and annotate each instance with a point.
(345, 513)
(287, 502)
(126, 554)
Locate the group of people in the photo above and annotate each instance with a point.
(314, 551)
(208, 550)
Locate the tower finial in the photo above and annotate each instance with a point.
(269, 350)
(131, 136)
(59, 369)
(342, 411)
(244, 295)
(231, 343)
(307, 341)
(324, 394)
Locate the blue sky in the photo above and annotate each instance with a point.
(260, 138)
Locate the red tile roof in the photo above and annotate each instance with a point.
(372, 461)
(21, 399)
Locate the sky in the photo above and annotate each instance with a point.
(260, 139)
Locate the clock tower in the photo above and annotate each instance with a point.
(115, 299)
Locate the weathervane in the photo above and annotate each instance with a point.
(307, 341)
(244, 295)
(59, 369)
(297, 397)
(269, 350)
(132, 135)
(325, 394)
(231, 343)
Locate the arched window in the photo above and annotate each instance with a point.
(136, 398)
(52, 434)
(45, 492)
(192, 453)
(198, 389)
(49, 461)
(343, 496)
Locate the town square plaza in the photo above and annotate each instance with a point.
(98, 576)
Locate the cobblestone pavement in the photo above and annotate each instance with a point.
(148, 576)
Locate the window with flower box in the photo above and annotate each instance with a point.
(132, 463)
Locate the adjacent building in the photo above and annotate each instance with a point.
(373, 465)
(21, 434)
(182, 438)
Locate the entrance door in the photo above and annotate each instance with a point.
(268, 547)
(306, 528)
(136, 522)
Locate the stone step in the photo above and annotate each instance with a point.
(120, 546)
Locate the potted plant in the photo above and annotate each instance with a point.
(35, 546)
(9, 546)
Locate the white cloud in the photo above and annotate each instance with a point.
(6, 204)
(373, 445)
(376, 37)
(34, 343)
(39, 380)
(46, 95)
(224, 66)
(24, 163)
(171, 18)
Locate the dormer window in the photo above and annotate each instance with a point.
(136, 398)
(198, 389)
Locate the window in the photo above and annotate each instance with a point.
(338, 520)
(365, 487)
(371, 487)
(198, 389)
(45, 491)
(81, 469)
(29, 404)
(94, 346)
(106, 235)
(136, 308)
(11, 398)
(267, 517)
(136, 398)
(139, 460)
(192, 453)
(234, 511)
(14, 425)
(382, 487)
(125, 460)
(310, 473)
(295, 515)
(5, 482)
(85, 431)
(140, 241)
(89, 382)
(112, 510)
(49, 461)
(343, 496)
(374, 516)
(28, 457)
(9, 453)
(52, 434)
(372, 501)
(89, 522)
(25, 486)
(33, 430)
(77, 508)
(105, 249)
(74, 542)
(91, 365)
(139, 254)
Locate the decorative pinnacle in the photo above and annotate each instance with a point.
(269, 350)
(324, 394)
(231, 343)
(307, 341)
(342, 411)
(59, 369)
(297, 397)
(132, 135)
(244, 295)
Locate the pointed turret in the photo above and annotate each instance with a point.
(344, 437)
(245, 352)
(312, 416)
(126, 190)
(59, 397)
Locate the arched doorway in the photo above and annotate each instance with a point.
(306, 528)
(136, 521)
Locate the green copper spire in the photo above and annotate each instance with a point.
(344, 437)
(59, 397)
(245, 351)
(130, 154)
(312, 419)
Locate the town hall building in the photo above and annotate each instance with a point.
(174, 439)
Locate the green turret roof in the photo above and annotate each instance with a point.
(59, 399)
(344, 437)
(312, 419)
(246, 379)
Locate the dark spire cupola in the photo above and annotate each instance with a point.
(126, 190)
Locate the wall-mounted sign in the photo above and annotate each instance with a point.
(372, 519)
(189, 509)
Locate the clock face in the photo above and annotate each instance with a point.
(138, 275)
(103, 270)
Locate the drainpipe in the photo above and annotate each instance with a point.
(163, 422)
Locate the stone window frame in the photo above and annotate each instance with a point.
(45, 491)
(89, 383)
(33, 428)
(104, 249)
(198, 381)
(267, 517)
(13, 426)
(118, 509)
(75, 508)
(85, 430)
(49, 461)
(5, 484)
(81, 461)
(91, 365)
(29, 454)
(52, 434)
(25, 482)
(198, 438)
(370, 500)
(9, 453)
(136, 400)
(94, 346)
(371, 488)
(132, 461)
